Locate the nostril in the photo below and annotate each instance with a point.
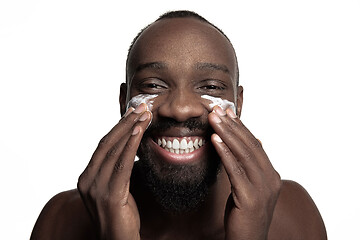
(181, 107)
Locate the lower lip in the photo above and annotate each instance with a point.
(178, 158)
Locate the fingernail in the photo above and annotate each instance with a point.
(136, 130)
(130, 110)
(141, 108)
(217, 138)
(230, 113)
(144, 116)
(219, 111)
(216, 118)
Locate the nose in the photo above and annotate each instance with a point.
(181, 106)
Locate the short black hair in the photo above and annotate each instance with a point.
(182, 14)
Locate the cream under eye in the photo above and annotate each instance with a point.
(223, 103)
(148, 99)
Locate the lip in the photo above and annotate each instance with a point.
(174, 158)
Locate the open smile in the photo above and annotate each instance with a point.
(181, 145)
(179, 150)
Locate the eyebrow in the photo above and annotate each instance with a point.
(199, 66)
(151, 65)
(213, 66)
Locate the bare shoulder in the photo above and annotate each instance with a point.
(296, 215)
(64, 217)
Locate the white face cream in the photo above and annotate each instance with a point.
(142, 98)
(224, 104)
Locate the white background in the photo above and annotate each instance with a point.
(61, 65)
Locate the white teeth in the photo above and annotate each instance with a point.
(176, 144)
(181, 147)
(196, 144)
(190, 144)
(168, 144)
(183, 144)
(163, 142)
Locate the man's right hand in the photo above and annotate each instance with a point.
(104, 184)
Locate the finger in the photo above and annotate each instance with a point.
(253, 144)
(242, 153)
(238, 128)
(249, 139)
(237, 174)
(115, 159)
(120, 130)
(120, 179)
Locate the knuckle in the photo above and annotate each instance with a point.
(277, 175)
(82, 180)
(227, 153)
(104, 141)
(112, 153)
(233, 124)
(93, 191)
(119, 166)
(128, 146)
(254, 143)
(275, 181)
(105, 200)
(239, 170)
(277, 184)
(247, 155)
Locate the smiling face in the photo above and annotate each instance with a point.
(179, 60)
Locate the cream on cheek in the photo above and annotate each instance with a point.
(223, 103)
(148, 99)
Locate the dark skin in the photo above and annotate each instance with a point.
(248, 199)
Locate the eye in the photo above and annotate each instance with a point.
(152, 85)
(212, 87)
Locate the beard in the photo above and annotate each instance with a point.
(178, 188)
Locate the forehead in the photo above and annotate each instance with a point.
(182, 43)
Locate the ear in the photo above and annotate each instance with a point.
(122, 98)
(239, 100)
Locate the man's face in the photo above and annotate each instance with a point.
(180, 60)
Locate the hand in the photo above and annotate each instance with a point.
(104, 185)
(255, 185)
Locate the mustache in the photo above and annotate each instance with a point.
(163, 124)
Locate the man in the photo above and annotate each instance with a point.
(201, 174)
